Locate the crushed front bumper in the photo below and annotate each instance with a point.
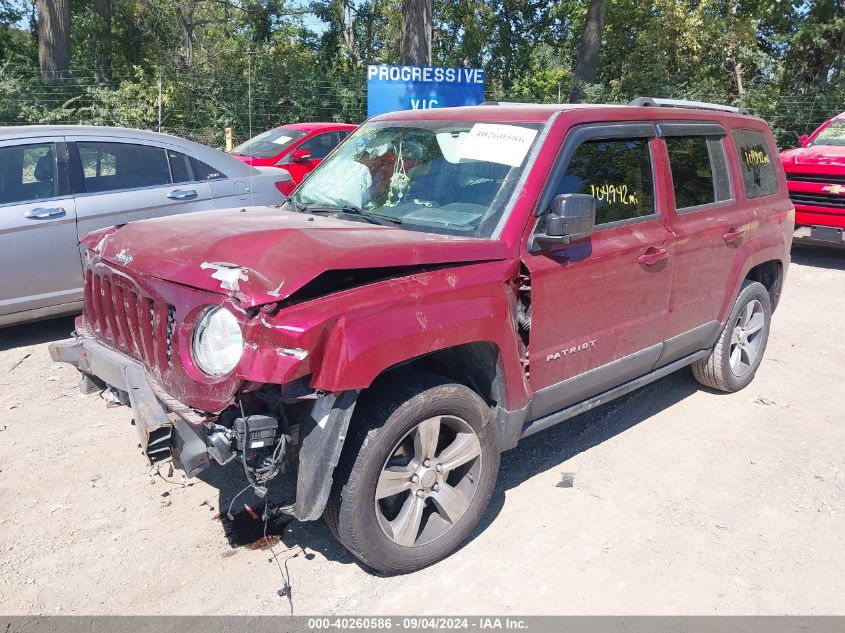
(163, 434)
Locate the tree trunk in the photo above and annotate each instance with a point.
(588, 50)
(347, 19)
(416, 32)
(54, 40)
(103, 73)
(732, 62)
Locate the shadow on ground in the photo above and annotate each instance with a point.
(35, 333)
(819, 257)
(535, 455)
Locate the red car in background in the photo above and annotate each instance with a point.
(815, 174)
(297, 148)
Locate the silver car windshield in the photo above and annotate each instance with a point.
(452, 177)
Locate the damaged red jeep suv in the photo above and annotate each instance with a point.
(446, 283)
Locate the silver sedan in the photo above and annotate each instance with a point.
(57, 183)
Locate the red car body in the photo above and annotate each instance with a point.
(329, 307)
(362, 331)
(815, 174)
(308, 145)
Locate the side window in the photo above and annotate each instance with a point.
(617, 173)
(180, 167)
(27, 173)
(321, 145)
(699, 170)
(202, 171)
(116, 166)
(756, 163)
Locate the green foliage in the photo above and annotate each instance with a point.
(252, 64)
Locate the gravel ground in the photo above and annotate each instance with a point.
(684, 502)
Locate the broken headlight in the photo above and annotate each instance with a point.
(218, 342)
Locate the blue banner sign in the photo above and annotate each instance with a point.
(391, 88)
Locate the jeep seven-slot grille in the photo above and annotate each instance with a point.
(137, 325)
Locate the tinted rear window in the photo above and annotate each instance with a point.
(699, 171)
(117, 166)
(756, 163)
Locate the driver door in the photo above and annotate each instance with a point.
(599, 306)
(40, 259)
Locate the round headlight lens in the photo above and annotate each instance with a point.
(218, 342)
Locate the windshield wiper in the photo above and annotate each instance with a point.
(349, 209)
(297, 206)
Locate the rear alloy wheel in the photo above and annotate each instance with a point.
(416, 475)
(738, 352)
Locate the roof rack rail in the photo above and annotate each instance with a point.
(681, 103)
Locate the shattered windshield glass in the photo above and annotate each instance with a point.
(452, 177)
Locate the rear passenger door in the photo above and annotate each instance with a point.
(39, 259)
(599, 305)
(118, 181)
(709, 226)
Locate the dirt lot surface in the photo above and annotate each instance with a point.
(684, 501)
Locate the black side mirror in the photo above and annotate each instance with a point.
(572, 217)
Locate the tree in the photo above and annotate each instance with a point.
(103, 41)
(53, 30)
(416, 32)
(588, 51)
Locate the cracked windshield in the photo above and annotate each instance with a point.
(452, 177)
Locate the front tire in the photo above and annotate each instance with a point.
(737, 354)
(416, 474)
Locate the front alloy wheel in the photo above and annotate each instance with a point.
(416, 474)
(431, 474)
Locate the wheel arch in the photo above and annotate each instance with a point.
(770, 274)
(477, 365)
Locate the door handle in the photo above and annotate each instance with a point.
(733, 235)
(42, 213)
(182, 194)
(653, 255)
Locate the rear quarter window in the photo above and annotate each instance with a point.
(756, 163)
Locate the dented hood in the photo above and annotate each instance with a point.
(261, 254)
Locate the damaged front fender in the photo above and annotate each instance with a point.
(321, 445)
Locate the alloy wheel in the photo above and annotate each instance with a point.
(747, 339)
(428, 481)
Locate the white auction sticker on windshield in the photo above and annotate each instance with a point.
(281, 140)
(497, 143)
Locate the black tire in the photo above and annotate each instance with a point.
(385, 416)
(716, 370)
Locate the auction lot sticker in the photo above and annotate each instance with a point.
(496, 143)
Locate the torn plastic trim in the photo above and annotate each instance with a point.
(229, 275)
(320, 446)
